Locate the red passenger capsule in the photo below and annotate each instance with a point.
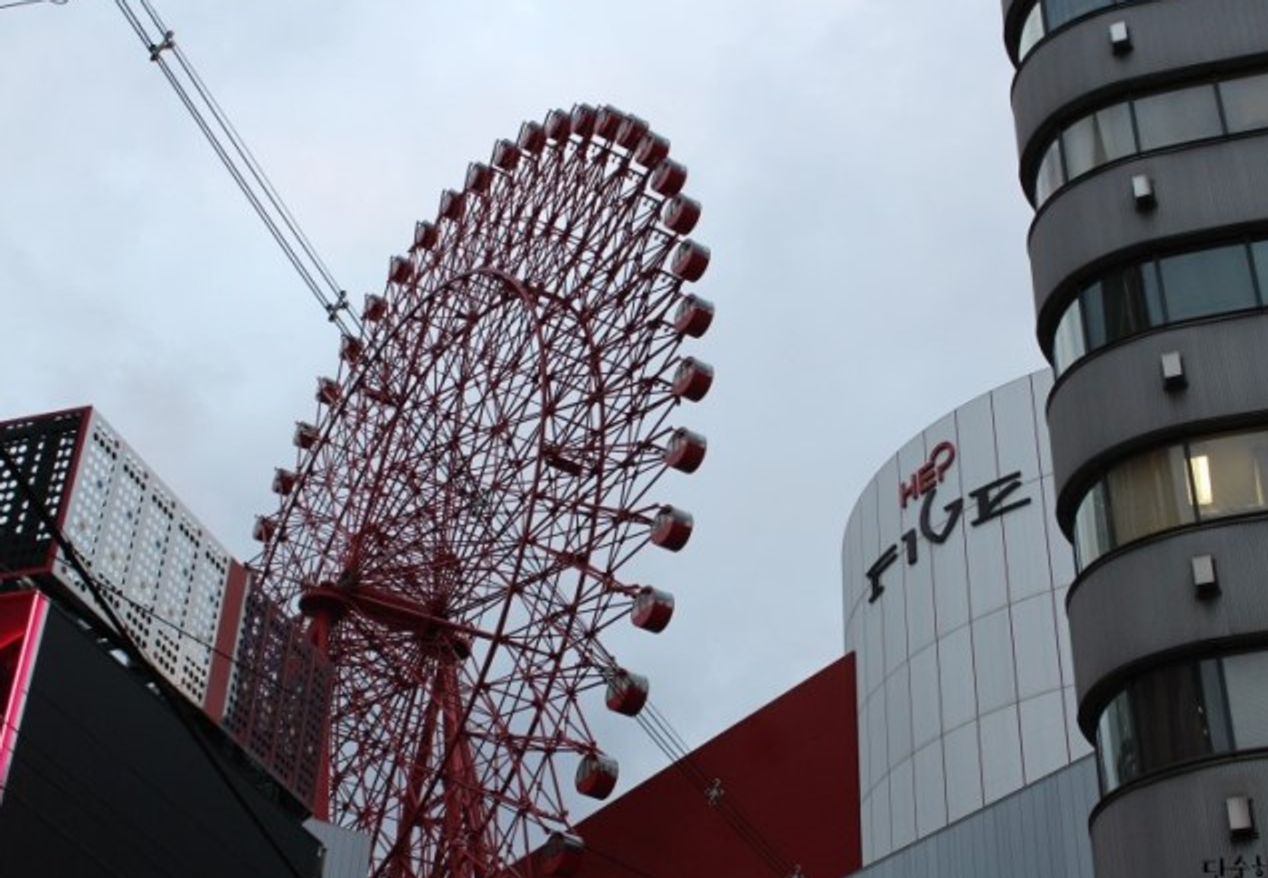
(264, 529)
(305, 436)
(653, 609)
(583, 120)
(652, 150)
(558, 125)
(425, 236)
(596, 776)
(283, 481)
(532, 137)
(451, 205)
(506, 155)
(350, 349)
(375, 308)
(669, 178)
(694, 316)
(607, 122)
(561, 854)
(692, 379)
(328, 391)
(681, 214)
(671, 528)
(631, 132)
(690, 260)
(400, 270)
(479, 175)
(685, 451)
(627, 692)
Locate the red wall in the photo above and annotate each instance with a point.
(790, 776)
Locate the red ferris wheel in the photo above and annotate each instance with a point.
(457, 529)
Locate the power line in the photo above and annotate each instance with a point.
(29, 2)
(238, 160)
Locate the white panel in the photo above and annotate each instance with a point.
(872, 671)
(926, 713)
(886, 488)
(951, 584)
(870, 538)
(944, 430)
(854, 588)
(955, 664)
(1041, 384)
(893, 608)
(975, 428)
(898, 715)
(931, 790)
(918, 589)
(867, 825)
(881, 821)
(864, 750)
(1035, 641)
(1015, 443)
(1044, 735)
(909, 459)
(902, 803)
(988, 586)
(1001, 754)
(877, 739)
(964, 772)
(1026, 534)
(993, 662)
(168, 577)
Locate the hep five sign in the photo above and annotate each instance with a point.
(991, 500)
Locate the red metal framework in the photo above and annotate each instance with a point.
(478, 476)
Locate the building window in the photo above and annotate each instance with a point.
(1152, 122)
(1098, 139)
(1156, 292)
(1181, 116)
(1207, 282)
(1032, 30)
(1245, 103)
(1199, 480)
(1180, 713)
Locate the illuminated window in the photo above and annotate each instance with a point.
(1204, 479)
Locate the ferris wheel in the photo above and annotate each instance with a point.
(458, 526)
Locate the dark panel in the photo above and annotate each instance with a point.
(42, 449)
(106, 781)
(1199, 189)
(1154, 581)
(1146, 833)
(1116, 398)
(1076, 67)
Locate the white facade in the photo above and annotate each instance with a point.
(955, 576)
(166, 578)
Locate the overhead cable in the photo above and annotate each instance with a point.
(160, 43)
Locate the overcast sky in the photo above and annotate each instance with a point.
(854, 158)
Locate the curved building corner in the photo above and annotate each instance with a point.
(1143, 137)
(955, 576)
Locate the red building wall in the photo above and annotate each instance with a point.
(789, 776)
